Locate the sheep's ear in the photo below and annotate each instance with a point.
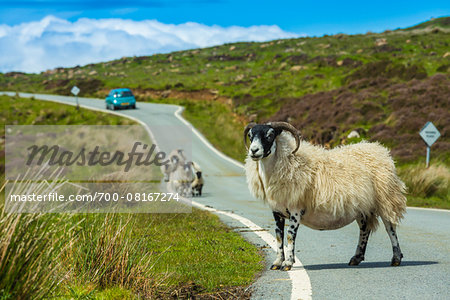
(288, 127)
(278, 131)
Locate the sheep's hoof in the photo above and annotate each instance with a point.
(275, 267)
(286, 268)
(395, 262)
(355, 260)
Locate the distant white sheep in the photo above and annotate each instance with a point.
(185, 177)
(323, 189)
(176, 157)
(181, 179)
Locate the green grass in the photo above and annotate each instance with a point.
(197, 247)
(114, 256)
(28, 111)
(89, 292)
(428, 202)
(157, 253)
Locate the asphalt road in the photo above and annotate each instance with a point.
(424, 235)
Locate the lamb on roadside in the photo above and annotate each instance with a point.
(323, 189)
(197, 184)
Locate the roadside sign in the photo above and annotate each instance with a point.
(75, 90)
(429, 134)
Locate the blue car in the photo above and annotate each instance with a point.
(120, 98)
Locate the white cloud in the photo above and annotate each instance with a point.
(53, 42)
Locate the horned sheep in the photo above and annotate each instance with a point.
(323, 189)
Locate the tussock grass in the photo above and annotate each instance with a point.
(31, 247)
(427, 186)
(103, 255)
(41, 252)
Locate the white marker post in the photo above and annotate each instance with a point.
(429, 134)
(75, 90)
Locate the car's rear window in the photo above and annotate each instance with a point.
(126, 94)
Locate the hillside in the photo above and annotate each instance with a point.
(433, 23)
(384, 85)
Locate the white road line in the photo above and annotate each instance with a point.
(428, 208)
(301, 285)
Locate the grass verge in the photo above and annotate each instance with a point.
(427, 187)
(157, 256)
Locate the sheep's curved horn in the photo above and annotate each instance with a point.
(246, 130)
(290, 128)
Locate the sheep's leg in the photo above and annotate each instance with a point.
(364, 233)
(294, 222)
(397, 257)
(188, 189)
(279, 231)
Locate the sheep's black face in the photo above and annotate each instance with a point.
(262, 141)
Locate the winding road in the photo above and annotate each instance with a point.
(323, 272)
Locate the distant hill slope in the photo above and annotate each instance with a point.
(443, 22)
(385, 85)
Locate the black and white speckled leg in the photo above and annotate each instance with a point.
(364, 233)
(398, 255)
(294, 222)
(279, 232)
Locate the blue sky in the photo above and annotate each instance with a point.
(36, 35)
(308, 17)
